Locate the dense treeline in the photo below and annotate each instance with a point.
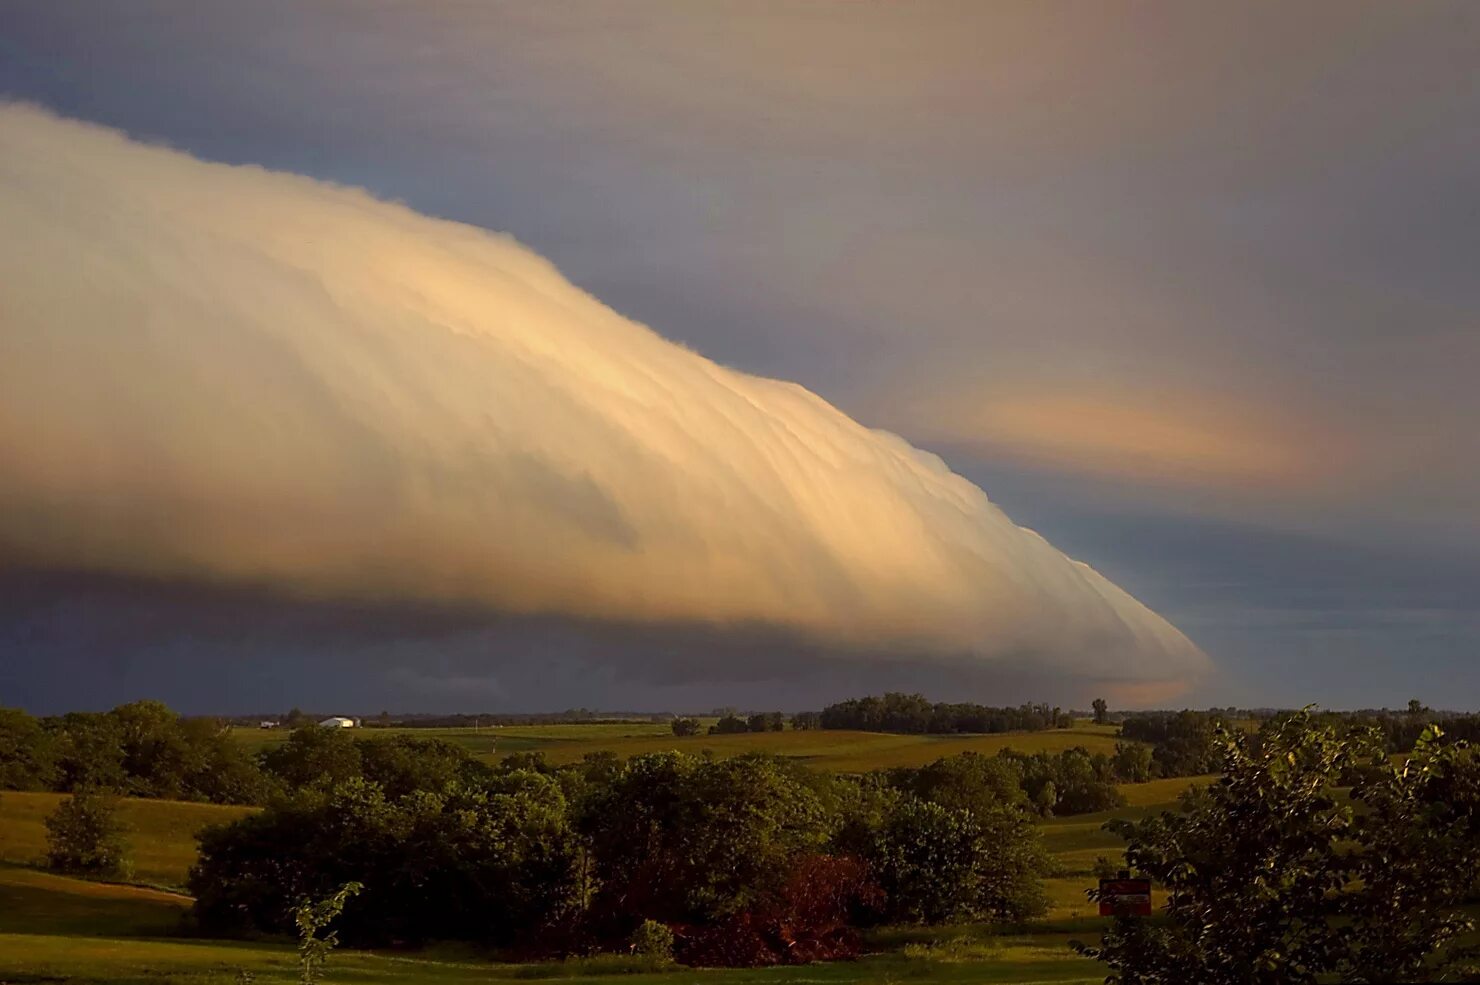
(1187, 743)
(1183, 743)
(915, 714)
(143, 749)
(751, 860)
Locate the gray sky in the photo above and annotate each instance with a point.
(1188, 288)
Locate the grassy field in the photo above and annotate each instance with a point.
(163, 832)
(836, 751)
(54, 928)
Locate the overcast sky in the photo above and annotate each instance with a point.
(1190, 289)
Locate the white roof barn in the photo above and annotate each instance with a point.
(337, 722)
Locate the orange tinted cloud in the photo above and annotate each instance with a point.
(229, 374)
(1157, 438)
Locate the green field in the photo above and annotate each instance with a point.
(162, 832)
(54, 928)
(833, 750)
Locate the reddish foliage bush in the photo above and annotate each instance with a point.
(812, 918)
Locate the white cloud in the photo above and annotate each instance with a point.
(235, 375)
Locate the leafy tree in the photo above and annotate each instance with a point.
(1419, 857)
(685, 727)
(311, 917)
(314, 756)
(1073, 781)
(403, 764)
(682, 839)
(1272, 877)
(1101, 710)
(1183, 744)
(27, 756)
(492, 864)
(729, 725)
(927, 859)
(770, 721)
(806, 721)
(88, 752)
(85, 835)
(1131, 762)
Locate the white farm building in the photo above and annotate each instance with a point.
(338, 722)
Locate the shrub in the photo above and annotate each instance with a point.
(653, 940)
(84, 835)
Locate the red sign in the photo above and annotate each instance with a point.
(1125, 897)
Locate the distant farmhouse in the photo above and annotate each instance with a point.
(339, 722)
(267, 724)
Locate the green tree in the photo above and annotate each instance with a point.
(1271, 876)
(1419, 838)
(684, 727)
(1132, 762)
(927, 859)
(88, 751)
(27, 756)
(490, 863)
(682, 839)
(403, 764)
(729, 725)
(1101, 710)
(311, 918)
(85, 835)
(314, 756)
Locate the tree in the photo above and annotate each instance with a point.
(85, 835)
(1272, 877)
(403, 764)
(770, 721)
(311, 917)
(1420, 854)
(1101, 710)
(494, 863)
(684, 727)
(1132, 762)
(27, 757)
(729, 725)
(88, 751)
(927, 860)
(314, 756)
(806, 721)
(682, 839)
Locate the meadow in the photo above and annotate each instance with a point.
(57, 928)
(838, 751)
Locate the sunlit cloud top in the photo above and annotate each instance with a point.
(227, 374)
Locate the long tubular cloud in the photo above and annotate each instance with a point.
(227, 374)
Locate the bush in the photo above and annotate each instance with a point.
(810, 917)
(652, 940)
(84, 835)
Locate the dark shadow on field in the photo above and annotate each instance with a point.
(37, 902)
